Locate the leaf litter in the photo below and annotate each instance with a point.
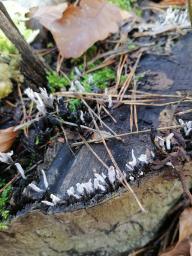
(77, 28)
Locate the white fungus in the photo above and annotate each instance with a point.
(35, 97)
(71, 192)
(134, 160)
(77, 71)
(168, 141)
(143, 158)
(187, 126)
(47, 203)
(45, 179)
(100, 178)
(35, 188)
(170, 164)
(20, 170)
(110, 102)
(160, 141)
(111, 175)
(120, 175)
(129, 167)
(89, 187)
(6, 157)
(98, 186)
(131, 178)
(152, 154)
(80, 188)
(76, 86)
(82, 116)
(47, 99)
(55, 199)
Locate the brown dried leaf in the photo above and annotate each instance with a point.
(181, 249)
(173, 2)
(7, 137)
(80, 26)
(48, 14)
(185, 224)
(183, 246)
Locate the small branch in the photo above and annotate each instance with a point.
(32, 66)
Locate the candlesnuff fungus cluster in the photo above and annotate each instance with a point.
(166, 145)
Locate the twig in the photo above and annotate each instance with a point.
(122, 61)
(129, 77)
(109, 114)
(127, 134)
(9, 183)
(94, 153)
(101, 121)
(33, 67)
(24, 109)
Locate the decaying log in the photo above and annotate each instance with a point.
(32, 66)
(115, 225)
(112, 227)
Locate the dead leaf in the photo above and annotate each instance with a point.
(183, 246)
(181, 249)
(7, 137)
(166, 3)
(173, 2)
(48, 14)
(80, 26)
(185, 224)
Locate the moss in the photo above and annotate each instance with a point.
(9, 72)
(100, 78)
(57, 82)
(124, 4)
(5, 82)
(4, 199)
(6, 47)
(74, 104)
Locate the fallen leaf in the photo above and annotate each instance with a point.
(183, 246)
(7, 137)
(181, 249)
(173, 2)
(185, 224)
(166, 3)
(79, 27)
(48, 14)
